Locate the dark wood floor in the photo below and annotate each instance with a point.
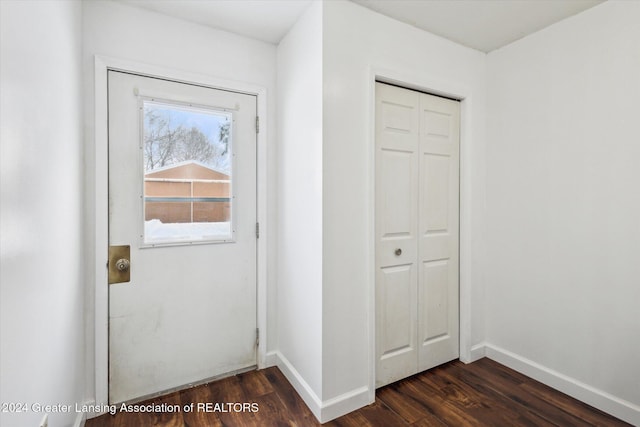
(483, 393)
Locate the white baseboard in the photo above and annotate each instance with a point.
(478, 351)
(302, 387)
(270, 359)
(81, 419)
(604, 401)
(345, 403)
(329, 409)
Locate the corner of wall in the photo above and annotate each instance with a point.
(299, 384)
(299, 271)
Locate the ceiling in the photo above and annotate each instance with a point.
(480, 24)
(266, 20)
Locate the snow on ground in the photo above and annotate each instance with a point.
(155, 231)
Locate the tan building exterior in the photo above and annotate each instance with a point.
(187, 192)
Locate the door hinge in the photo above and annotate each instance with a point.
(257, 337)
(257, 230)
(257, 124)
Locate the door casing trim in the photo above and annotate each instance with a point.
(100, 202)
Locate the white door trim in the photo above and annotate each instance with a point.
(455, 90)
(101, 197)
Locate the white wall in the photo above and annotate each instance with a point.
(120, 31)
(300, 204)
(41, 293)
(356, 42)
(563, 197)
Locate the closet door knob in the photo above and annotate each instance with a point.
(398, 252)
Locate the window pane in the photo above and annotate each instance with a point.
(187, 173)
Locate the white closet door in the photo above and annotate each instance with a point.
(397, 175)
(417, 141)
(438, 231)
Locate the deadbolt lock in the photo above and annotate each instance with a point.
(119, 264)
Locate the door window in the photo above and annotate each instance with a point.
(187, 173)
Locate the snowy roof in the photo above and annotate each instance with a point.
(184, 163)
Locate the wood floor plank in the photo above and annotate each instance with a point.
(589, 414)
(226, 394)
(484, 405)
(379, 414)
(431, 421)
(501, 383)
(493, 407)
(508, 374)
(435, 403)
(405, 405)
(255, 383)
(200, 416)
(555, 405)
(101, 421)
(226, 390)
(159, 418)
(353, 419)
(271, 412)
(300, 414)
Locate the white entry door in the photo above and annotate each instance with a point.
(417, 211)
(182, 195)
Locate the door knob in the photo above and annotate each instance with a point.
(398, 252)
(123, 264)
